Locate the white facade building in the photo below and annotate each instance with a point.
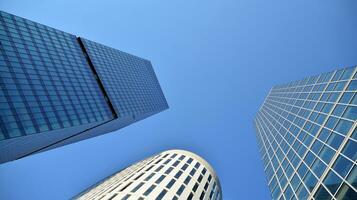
(173, 174)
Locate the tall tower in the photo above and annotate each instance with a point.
(307, 137)
(57, 88)
(173, 174)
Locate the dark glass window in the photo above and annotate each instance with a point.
(171, 183)
(346, 192)
(187, 180)
(160, 179)
(322, 194)
(342, 166)
(178, 174)
(180, 190)
(161, 195)
(137, 187)
(149, 190)
(350, 150)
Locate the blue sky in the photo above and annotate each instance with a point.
(215, 60)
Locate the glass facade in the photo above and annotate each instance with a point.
(45, 81)
(53, 94)
(306, 132)
(130, 81)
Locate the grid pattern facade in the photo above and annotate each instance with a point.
(130, 81)
(45, 81)
(306, 132)
(172, 174)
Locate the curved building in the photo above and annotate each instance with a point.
(173, 174)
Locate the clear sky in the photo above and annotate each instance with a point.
(215, 60)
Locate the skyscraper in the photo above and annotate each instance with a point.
(57, 88)
(307, 137)
(174, 174)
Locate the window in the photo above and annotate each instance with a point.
(202, 195)
(126, 197)
(159, 168)
(195, 187)
(181, 157)
(178, 174)
(176, 163)
(343, 126)
(189, 161)
(187, 180)
(332, 182)
(149, 177)
(171, 183)
(200, 178)
(137, 187)
(322, 193)
(352, 86)
(335, 140)
(149, 190)
(346, 192)
(180, 190)
(193, 171)
(112, 197)
(169, 170)
(190, 196)
(126, 186)
(350, 150)
(160, 179)
(161, 195)
(351, 113)
(342, 166)
(184, 167)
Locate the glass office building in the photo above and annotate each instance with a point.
(306, 132)
(57, 88)
(173, 174)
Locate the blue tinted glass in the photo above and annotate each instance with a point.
(302, 192)
(346, 97)
(318, 167)
(350, 149)
(326, 154)
(347, 73)
(352, 178)
(351, 113)
(302, 170)
(324, 134)
(337, 75)
(49, 90)
(342, 166)
(335, 140)
(130, 81)
(322, 194)
(339, 110)
(332, 182)
(331, 122)
(288, 192)
(343, 126)
(352, 86)
(310, 181)
(275, 120)
(346, 193)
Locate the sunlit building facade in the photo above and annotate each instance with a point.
(173, 174)
(57, 88)
(306, 132)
